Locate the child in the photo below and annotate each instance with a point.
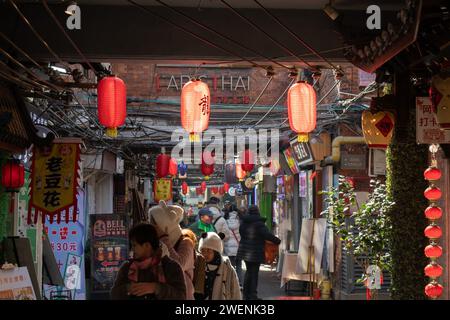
(151, 275)
(221, 281)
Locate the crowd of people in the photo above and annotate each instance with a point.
(200, 261)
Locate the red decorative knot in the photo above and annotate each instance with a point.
(433, 232)
(433, 213)
(433, 270)
(433, 193)
(432, 174)
(434, 290)
(433, 251)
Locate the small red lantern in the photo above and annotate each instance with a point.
(13, 175)
(433, 213)
(226, 187)
(198, 190)
(162, 165)
(433, 193)
(195, 108)
(112, 103)
(247, 161)
(184, 188)
(215, 190)
(301, 102)
(433, 270)
(433, 251)
(432, 174)
(207, 165)
(203, 186)
(173, 167)
(221, 191)
(433, 232)
(433, 290)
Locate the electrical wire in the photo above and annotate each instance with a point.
(18, 49)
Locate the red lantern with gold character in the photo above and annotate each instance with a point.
(195, 108)
(301, 102)
(378, 128)
(111, 103)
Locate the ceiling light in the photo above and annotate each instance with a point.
(59, 69)
(331, 11)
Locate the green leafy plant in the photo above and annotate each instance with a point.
(364, 229)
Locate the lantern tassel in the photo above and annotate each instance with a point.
(111, 132)
(302, 137)
(207, 177)
(193, 137)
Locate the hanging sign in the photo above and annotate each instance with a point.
(54, 176)
(427, 128)
(374, 277)
(163, 189)
(302, 153)
(292, 163)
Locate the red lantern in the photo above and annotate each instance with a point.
(226, 187)
(112, 103)
(195, 108)
(247, 161)
(433, 270)
(198, 191)
(433, 290)
(433, 232)
(240, 173)
(301, 101)
(221, 191)
(215, 190)
(433, 251)
(162, 165)
(13, 176)
(203, 186)
(207, 165)
(433, 213)
(433, 193)
(173, 167)
(184, 188)
(432, 174)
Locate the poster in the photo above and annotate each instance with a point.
(54, 180)
(109, 249)
(67, 241)
(15, 284)
(427, 129)
(302, 186)
(163, 189)
(290, 159)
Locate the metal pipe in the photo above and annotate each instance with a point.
(336, 148)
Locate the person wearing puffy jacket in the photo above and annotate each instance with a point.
(233, 217)
(218, 221)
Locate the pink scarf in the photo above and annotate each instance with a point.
(153, 263)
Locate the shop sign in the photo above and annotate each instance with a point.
(163, 189)
(54, 176)
(109, 249)
(303, 153)
(291, 161)
(353, 161)
(302, 184)
(15, 284)
(280, 188)
(427, 128)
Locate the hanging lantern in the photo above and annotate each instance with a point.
(207, 165)
(221, 191)
(198, 191)
(433, 232)
(203, 186)
(162, 165)
(184, 188)
(247, 161)
(112, 103)
(195, 108)
(301, 102)
(215, 190)
(230, 173)
(226, 187)
(240, 173)
(378, 128)
(439, 94)
(13, 175)
(173, 167)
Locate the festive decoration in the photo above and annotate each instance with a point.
(215, 190)
(221, 191)
(13, 178)
(162, 189)
(433, 232)
(240, 173)
(226, 187)
(173, 167)
(440, 99)
(195, 108)
(182, 169)
(162, 165)
(203, 186)
(247, 161)
(301, 101)
(207, 165)
(378, 128)
(184, 188)
(54, 181)
(112, 103)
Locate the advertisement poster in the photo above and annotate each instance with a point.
(292, 163)
(15, 284)
(67, 241)
(427, 128)
(109, 248)
(302, 187)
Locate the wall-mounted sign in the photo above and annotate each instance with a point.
(427, 128)
(302, 153)
(377, 162)
(353, 161)
(291, 161)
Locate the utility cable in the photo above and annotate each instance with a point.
(256, 100)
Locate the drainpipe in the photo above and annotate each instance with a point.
(336, 148)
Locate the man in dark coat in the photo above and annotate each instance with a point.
(253, 233)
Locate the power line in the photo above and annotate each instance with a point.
(256, 100)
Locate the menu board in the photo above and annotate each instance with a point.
(109, 249)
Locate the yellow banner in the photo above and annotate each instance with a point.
(163, 189)
(54, 177)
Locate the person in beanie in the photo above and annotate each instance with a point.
(253, 233)
(151, 274)
(166, 218)
(204, 222)
(231, 244)
(221, 281)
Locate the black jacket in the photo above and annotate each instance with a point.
(254, 233)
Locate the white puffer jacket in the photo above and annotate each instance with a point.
(219, 223)
(232, 243)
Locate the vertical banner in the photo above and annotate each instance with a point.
(109, 249)
(67, 241)
(290, 159)
(54, 176)
(302, 187)
(163, 189)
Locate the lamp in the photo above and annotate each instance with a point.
(331, 11)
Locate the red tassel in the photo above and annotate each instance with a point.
(75, 208)
(51, 218)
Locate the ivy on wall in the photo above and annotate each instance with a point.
(406, 161)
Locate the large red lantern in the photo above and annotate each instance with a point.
(301, 101)
(195, 108)
(247, 161)
(13, 176)
(112, 103)
(162, 165)
(173, 167)
(184, 188)
(434, 290)
(433, 270)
